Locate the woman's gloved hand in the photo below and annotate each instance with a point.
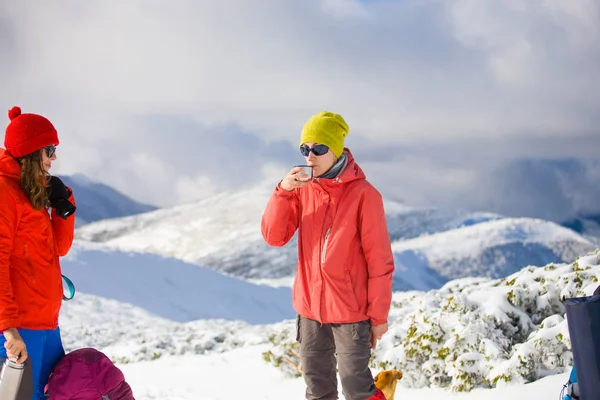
(58, 195)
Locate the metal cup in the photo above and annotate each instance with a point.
(10, 379)
(307, 170)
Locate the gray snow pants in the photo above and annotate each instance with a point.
(319, 348)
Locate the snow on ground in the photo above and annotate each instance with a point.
(241, 374)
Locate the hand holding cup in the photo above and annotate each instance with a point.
(297, 177)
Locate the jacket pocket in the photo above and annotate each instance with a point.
(324, 251)
(351, 293)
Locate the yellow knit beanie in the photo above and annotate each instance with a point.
(326, 128)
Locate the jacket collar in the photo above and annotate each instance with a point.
(351, 173)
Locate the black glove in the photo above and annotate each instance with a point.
(58, 195)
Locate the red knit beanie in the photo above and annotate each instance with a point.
(27, 133)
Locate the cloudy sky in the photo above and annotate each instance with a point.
(485, 104)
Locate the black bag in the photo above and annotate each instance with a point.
(583, 316)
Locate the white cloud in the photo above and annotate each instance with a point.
(118, 80)
(193, 189)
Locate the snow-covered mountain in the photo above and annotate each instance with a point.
(172, 289)
(223, 233)
(408, 223)
(97, 201)
(493, 249)
(203, 232)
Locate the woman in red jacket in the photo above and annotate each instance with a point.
(343, 286)
(36, 227)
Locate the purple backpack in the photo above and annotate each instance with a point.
(87, 374)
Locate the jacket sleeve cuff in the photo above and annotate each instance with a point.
(377, 321)
(9, 324)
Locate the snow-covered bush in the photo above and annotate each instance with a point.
(285, 353)
(127, 334)
(477, 332)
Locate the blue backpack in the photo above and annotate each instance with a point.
(570, 390)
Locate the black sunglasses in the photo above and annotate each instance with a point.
(50, 150)
(317, 149)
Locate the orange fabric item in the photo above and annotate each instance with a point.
(30, 244)
(345, 262)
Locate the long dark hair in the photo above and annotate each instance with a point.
(33, 178)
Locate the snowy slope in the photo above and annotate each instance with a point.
(171, 288)
(222, 232)
(461, 337)
(97, 201)
(492, 249)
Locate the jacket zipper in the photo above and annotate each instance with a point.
(324, 252)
